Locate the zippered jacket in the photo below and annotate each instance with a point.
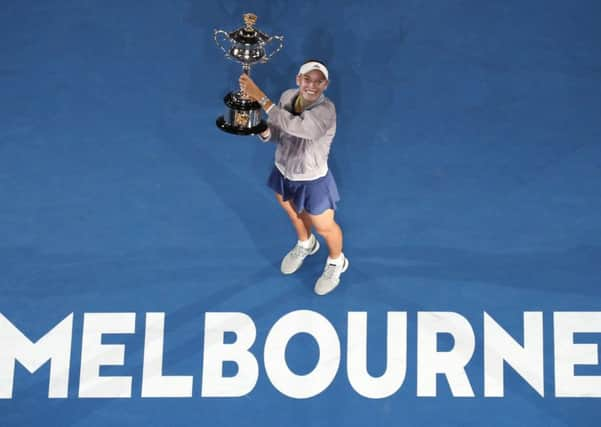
(303, 140)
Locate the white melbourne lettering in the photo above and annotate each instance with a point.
(499, 351)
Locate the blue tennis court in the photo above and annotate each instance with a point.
(140, 246)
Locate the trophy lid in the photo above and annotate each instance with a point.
(249, 34)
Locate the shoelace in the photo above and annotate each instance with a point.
(330, 271)
(299, 251)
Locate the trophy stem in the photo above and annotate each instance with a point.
(245, 70)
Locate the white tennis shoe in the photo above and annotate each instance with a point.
(294, 259)
(330, 278)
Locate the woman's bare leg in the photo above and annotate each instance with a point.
(300, 222)
(326, 226)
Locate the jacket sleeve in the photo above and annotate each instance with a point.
(273, 136)
(310, 124)
(274, 130)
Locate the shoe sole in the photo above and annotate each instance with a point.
(346, 264)
(315, 248)
(313, 252)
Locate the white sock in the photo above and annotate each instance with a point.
(336, 261)
(307, 244)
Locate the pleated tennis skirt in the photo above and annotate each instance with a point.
(313, 196)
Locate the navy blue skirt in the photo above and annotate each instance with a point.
(314, 196)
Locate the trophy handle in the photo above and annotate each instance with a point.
(278, 38)
(226, 34)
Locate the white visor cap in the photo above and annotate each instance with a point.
(314, 65)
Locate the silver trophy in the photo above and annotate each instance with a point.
(247, 46)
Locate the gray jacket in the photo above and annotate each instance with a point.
(303, 141)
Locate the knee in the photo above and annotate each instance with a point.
(294, 216)
(292, 213)
(288, 207)
(324, 229)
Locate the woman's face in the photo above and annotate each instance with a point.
(311, 85)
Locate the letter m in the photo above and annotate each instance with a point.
(54, 346)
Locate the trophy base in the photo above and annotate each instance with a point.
(226, 127)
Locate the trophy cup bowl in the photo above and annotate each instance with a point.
(247, 46)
